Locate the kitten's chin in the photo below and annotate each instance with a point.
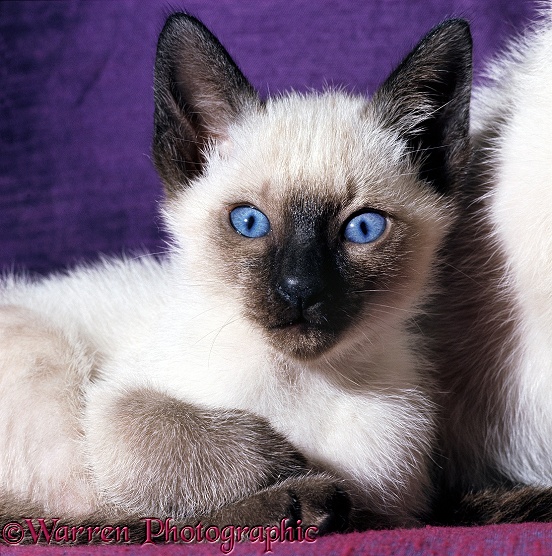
(301, 340)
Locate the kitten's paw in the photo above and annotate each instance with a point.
(310, 500)
(320, 501)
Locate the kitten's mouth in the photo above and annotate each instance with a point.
(298, 324)
(301, 338)
(301, 333)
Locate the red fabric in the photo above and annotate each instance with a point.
(531, 539)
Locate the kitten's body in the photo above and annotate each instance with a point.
(495, 325)
(167, 373)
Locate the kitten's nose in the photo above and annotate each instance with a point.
(300, 292)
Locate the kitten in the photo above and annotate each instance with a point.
(268, 367)
(494, 320)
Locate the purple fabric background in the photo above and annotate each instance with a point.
(75, 124)
(76, 99)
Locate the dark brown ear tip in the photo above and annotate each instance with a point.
(459, 24)
(178, 26)
(179, 23)
(173, 21)
(181, 19)
(456, 31)
(456, 26)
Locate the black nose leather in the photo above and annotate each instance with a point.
(300, 291)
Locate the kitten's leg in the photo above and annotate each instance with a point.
(157, 456)
(42, 373)
(504, 504)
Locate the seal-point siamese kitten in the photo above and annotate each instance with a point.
(497, 306)
(268, 366)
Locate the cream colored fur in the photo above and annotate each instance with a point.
(512, 129)
(363, 410)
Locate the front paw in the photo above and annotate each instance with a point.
(318, 500)
(315, 500)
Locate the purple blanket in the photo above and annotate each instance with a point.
(76, 99)
(76, 178)
(498, 540)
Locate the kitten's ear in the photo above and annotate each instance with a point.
(426, 100)
(199, 91)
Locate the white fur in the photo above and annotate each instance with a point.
(362, 410)
(516, 110)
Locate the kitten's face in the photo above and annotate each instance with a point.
(314, 218)
(311, 218)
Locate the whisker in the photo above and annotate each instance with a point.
(229, 321)
(214, 331)
(341, 374)
(372, 290)
(411, 311)
(463, 273)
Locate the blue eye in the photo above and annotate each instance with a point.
(249, 222)
(365, 227)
